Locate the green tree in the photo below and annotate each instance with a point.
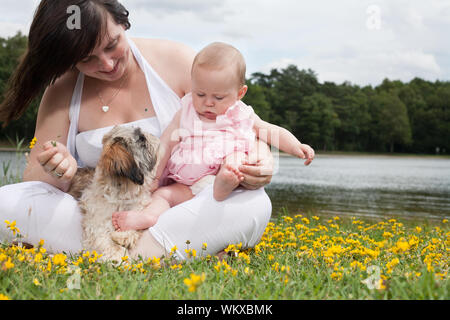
(317, 122)
(351, 106)
(257, 99)
(11, 50)
(391, 123)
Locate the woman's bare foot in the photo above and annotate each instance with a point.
(227, 179)
(132, 220)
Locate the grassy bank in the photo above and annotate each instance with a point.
(299, 257)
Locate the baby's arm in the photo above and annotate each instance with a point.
(168, 140)
(282, 139)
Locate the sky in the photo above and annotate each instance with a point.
(358, 41)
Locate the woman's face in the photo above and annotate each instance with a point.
(110, 59)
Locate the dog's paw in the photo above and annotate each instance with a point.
(119, 237)
(125, 239)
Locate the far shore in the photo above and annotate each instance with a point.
(318, 153)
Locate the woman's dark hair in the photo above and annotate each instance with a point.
(54, 48)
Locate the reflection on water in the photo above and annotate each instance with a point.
(413, 187)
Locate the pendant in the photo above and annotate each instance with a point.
(105, 108)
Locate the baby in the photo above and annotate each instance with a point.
(209, 137)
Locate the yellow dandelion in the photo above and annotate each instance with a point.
(336, 276)
(194, 281)
(402, 245)
(176, 266)
(381, 285)
(8, 264)
(49, 265)
(36, 282)
(38, 257)
(391, 264)
(3, 297)
(288, 219)
(387, 235)
(32, 143)
(358, 264)
(445, 221)
(59, 259)
(12, 226)
(76, 263)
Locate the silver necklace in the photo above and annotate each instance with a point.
(105, 106)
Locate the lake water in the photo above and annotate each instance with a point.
(376, 186)
(370, 186)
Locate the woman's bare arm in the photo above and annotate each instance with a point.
(53, 125)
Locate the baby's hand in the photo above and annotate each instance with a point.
(304, 151)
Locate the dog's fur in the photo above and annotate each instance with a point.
(120, 182)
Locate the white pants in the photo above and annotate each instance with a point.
(42, 211)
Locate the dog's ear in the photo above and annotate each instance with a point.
(118, 161)
(153, 144)
(109, 134)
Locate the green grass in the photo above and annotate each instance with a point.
(299, 257)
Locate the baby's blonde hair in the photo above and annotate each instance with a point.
(219, 55)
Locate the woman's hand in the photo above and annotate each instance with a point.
(258, 168)
(57, 161)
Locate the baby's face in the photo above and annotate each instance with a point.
(214, 91)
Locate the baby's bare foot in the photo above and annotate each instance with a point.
(227, 179)
(132, 220)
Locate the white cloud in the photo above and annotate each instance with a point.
(368, 69)
(9, 29)
(207, 11)
(330, 37)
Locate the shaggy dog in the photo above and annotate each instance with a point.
(120, 182)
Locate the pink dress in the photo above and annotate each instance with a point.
(204, 145)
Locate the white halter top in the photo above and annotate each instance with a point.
(86, 146)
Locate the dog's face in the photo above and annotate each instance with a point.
(128, 153)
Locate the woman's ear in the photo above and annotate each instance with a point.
(242, 91)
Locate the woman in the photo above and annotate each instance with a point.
(96, 77)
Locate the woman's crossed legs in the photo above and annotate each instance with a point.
(227, 179)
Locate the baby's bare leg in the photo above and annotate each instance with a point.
(229, 177)
(162, 199)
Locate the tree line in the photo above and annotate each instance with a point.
(411, 117)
